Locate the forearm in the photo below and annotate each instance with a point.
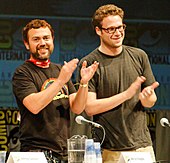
(38, 101)
(98, 106)
(79, 102)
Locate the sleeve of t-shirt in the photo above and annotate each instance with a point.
(22, 84)
(147, 70)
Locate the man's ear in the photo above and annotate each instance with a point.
(98, 31)
(26, 45)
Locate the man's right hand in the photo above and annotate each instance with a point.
(67, 70)
(131, 91)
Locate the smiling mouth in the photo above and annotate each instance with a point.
(43, 50)
(117, 38)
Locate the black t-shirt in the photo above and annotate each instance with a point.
(126, 125)
(49, 129)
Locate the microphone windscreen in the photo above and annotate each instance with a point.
(79, 119)
(164, 121)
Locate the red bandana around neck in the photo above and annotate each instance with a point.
(44, 64)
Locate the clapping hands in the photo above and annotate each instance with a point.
(88, 72)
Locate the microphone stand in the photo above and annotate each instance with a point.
(93, 132)
(104, 134)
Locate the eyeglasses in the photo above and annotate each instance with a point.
(112, 30)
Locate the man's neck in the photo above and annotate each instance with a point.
(110, 51)
(39, 63)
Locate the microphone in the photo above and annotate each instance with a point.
(164, 122)
(80, 119)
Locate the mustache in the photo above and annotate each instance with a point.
(42, 47)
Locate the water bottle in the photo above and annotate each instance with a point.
(90, 154)
(98, 152)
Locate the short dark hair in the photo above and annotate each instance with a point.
(104, 11)
(36, 23)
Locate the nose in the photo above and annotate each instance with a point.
(117, 31)
(42, 42)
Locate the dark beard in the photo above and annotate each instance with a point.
(38, 57)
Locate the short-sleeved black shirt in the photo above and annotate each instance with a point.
(49, 129)
(126, 125)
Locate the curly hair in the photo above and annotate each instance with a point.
(35, 24)
(104, 11)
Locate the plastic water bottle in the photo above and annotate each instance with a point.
(90, 154)
(98, 152)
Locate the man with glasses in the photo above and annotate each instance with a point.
(112, 100)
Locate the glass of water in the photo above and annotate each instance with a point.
(2, 156)
(76, 148)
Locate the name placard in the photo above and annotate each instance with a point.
(135, 157)
(26, 157)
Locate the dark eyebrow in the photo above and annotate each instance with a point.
(115, 27)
